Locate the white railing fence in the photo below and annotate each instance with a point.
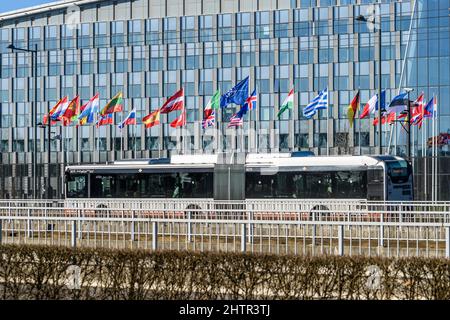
(349, 227)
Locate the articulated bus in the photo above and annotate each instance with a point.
(260, 176)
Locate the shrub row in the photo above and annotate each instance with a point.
(32, 272)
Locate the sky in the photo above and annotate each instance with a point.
(19, 4)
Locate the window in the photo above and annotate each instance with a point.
(104, 60)
(135, 32)
(210, 55)
(87, 61)
(192, 56)
(152, 84)
(84, 36)
(225, 27)
(153, 31)
(206, 28)
(121, 59)
(117, 33)
(100, 38)
(263, 25)
(134, 85)
(188, 32)
(138, 61)
(281, 23)
(170, 30)
(243, 26)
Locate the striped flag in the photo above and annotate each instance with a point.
(130, 119)
(89, 110)
(180, 121)
(209, 116)
(115, 105)
(175, 102)
(153, 119)
(353, 109)
(237, 120)
(71, 110)
(318, 103)
(105, 120)
(287, 104)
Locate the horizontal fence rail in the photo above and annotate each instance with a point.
(315, 227)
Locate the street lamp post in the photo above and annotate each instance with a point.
(34, 108)
(49, 144)
(362, 18)
(409, 90)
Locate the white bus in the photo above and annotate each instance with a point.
(262, 176)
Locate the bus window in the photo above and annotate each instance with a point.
(77, 186)
(350, 185)
(398, 171)
(102, 186)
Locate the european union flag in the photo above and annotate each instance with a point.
(237, 95)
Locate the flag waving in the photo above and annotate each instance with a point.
(175, 102)
(130, 119)
(56, 109)
(252, 100)
(318, 103)
(89, 110)
(104, 120)
(237, 95)
(288, 103)
(71, 110)
(209, 115)
(180, 121)
(152, 119)
(237, 120)
(353, 109)
(115, 105)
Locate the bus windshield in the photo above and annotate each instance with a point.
(398, 171)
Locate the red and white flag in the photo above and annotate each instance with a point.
(369, 108)
(174, 103)
(180, 121)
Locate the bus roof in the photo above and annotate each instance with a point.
(286, 160)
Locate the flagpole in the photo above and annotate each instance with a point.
(62, 158)
(328, 119)
(424, 155)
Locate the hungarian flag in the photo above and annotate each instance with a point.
(180, 121)
(353, 109)
(71, 111)
(130, 119)
(287, 104)
(115, 105)
(54, 112)
(175, 102)
(105, 120)
(152, 119)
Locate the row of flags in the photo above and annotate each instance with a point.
(396, 110)
(68, 112)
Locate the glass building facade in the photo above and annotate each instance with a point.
(148, 49)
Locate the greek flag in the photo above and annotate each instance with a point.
(318, 103)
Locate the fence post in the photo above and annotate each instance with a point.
(155, 235)
(189, 226)
(73, 240)
(132, 226)
(341, 240)
(381, 240)
(243, 237)
(29, 225)
(447, 242)
(250, 228)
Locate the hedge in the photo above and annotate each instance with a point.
(39, 272)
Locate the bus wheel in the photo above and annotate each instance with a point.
(100, 212)
(193, 211)
(320, 212)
